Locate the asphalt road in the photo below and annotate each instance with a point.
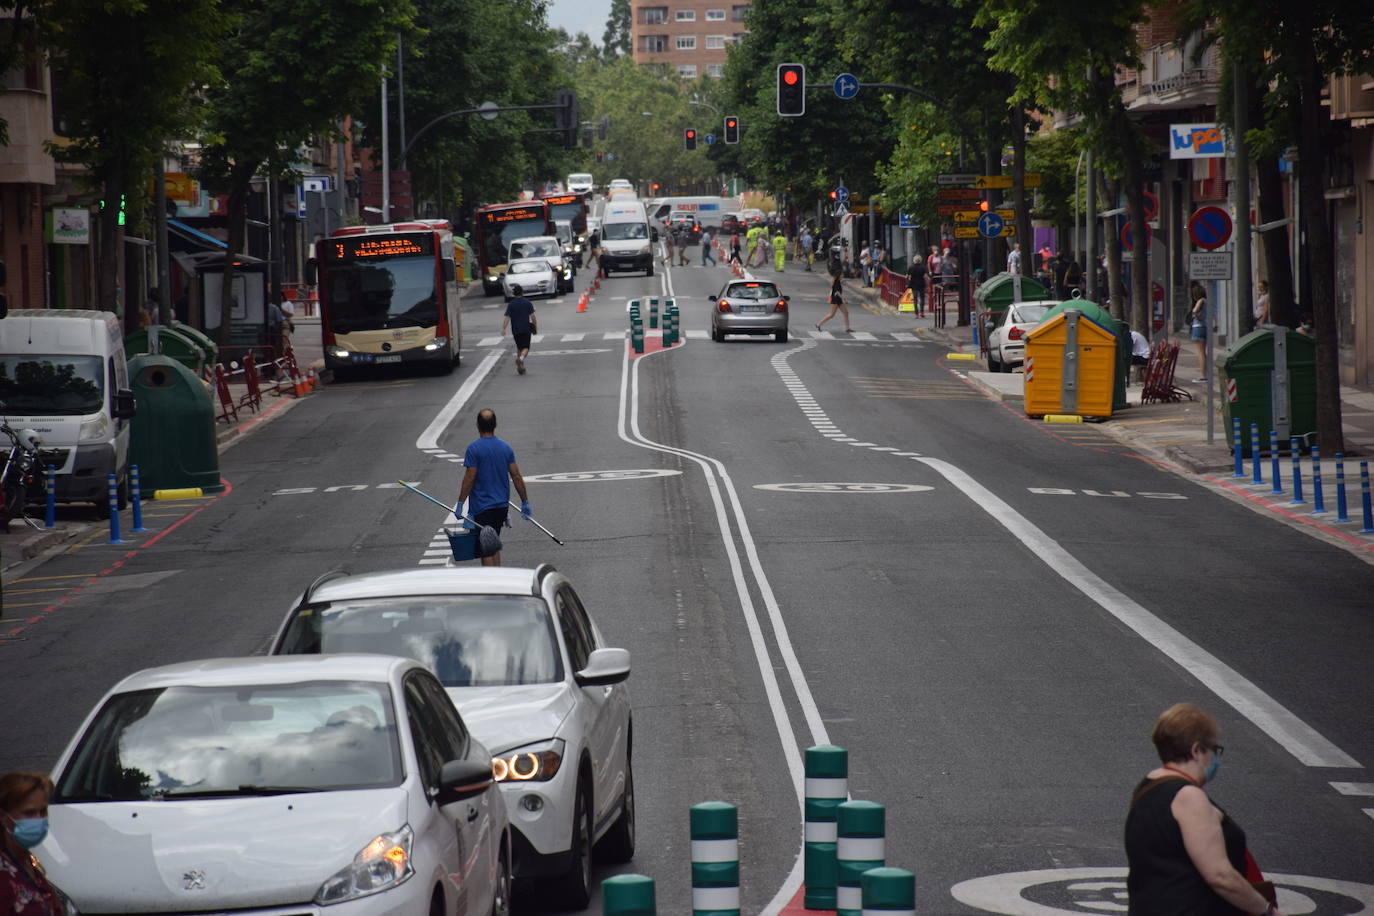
(829, 540)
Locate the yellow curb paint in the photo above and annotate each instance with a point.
(1063, 418)
(46, 578)
(181, 493)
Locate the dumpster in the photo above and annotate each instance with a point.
(1249, 362)
(1121, 329)
(172, 342)
(173, 432)
(1071, 362)
(1000, 291)
(202, 340)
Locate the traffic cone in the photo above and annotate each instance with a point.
(314, 380)
(300, 386)
(582, 303)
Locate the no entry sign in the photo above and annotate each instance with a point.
(1210, 227)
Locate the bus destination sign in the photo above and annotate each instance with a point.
(362, 247)
(514, 214)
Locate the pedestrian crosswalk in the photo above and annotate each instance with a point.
(696, 334)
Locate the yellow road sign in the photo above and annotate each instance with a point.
(966, 216)
(907, 303)
(984, 182)
(966, 232)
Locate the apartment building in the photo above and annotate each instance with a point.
(689, 37)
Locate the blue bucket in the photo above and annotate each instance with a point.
(463, 543)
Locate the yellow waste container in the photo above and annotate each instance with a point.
(1070, 366)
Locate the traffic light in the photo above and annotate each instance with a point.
(689, 138)
(791, 90)
(565, 117)
(602, 126)
(983, 205)
(731, 129)
(600, 156)
(654, 187)
(123, 203)
(834, 195)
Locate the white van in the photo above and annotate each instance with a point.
(62, 374)
(581, 182)
(626, 239)
(707, 210)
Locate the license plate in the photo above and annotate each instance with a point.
(752, 309)
(389, 359)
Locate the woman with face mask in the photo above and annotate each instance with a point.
(24, 891)
(1186, 856)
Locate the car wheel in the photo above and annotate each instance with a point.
(993, 365)
(618, 845)
(500, 894)
(781, 336)
(577, 883)
(650, 271)
(718, 335)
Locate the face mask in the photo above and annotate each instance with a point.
(1210, 773)
(30, 831)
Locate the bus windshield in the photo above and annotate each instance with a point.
(574, 213)
(374, 296)
(498, 243)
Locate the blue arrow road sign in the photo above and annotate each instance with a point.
(846, 85)
(710, 138)
(610, 157)
(990, 225)
(842, 194)
(906, 221)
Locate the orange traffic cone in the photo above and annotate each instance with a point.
(314, 380)
(582, 303)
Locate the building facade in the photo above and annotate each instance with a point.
(689, 37)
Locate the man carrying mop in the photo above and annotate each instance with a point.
(490, 469)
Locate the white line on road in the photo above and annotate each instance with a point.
(429, 439)
(1354, 788)
(573, 338)
(862, 335)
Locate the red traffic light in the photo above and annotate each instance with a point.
(791, 90)
(691, 133)
(983, 205)
(730, 122)
(833, 195)
(789, 77)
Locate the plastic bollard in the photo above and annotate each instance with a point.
(628, 895)
(50, 491)
(1275, 471)
(860, 845)
(827, 786)
(637, 338)
(1364, 499)
(135, 499)
(113, 488)
(1341, 507)
(1318, 504)
(1235, 436)
(1295, 451)
(653, 311)
(715, 859)
(888, 892)
(1257, 477)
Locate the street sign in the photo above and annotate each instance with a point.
(1210, 227)
(906, 220)
(610, 157)
(846, 85)
(1209, 265)
(966, 232)
(1151, 204)
(840, 210)
(317, 183)
(990, 225)
(971, 216)
(710, 138)
(956, 179)
(957, 194)
(951, 209)
(842, 194)
(986, 182)
(1128, 237)
(967, 216)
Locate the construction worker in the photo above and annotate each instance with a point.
(779, 250)
(752, 238)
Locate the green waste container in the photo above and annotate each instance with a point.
(999, 291)
(1249, 362)
(173, 433)
(202, 339)
(172, 342)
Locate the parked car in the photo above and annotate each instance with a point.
(530, 672)
(1007, 340)
(279, 785)
(749, 307)
(534, 276)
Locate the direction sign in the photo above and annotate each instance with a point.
(957, 194)
(906, 220)
(956, 179)
(951, 209)
(967, 216)
(966, 232)
(1209, 265)
(842, 194)
(710, 138)
(985, 182)
(1210, 227)
(846, 85)
(990, 225)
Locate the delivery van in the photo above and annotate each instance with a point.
(626, 239)
(62, 374)
(707, 210)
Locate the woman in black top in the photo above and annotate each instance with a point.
(1186, 856)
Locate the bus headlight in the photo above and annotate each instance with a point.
(338, 352)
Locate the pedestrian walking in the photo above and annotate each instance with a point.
(24, 889)
(949, 269)
(806, 244)
(1014, 258)
(836, 303)
(490, 469)
(708, 238)
(916, 282)
(684, 235)
(669, 247)
(522, 323)
(1185, 854)
(1261, 308)
(1197, 327)
(735, 258)
(779, 251)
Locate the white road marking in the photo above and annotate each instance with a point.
(613, 335)
(1354, 788)
(429, 439)
(432, 561)
(862, 335)
(821, 335)
(573, 338)
(488, 341)
(697, 335)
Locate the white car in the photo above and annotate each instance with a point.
(549, 248)
(532, 676)
(347, 784)
(534, 276)
(1007, 340)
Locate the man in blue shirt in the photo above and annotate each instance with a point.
(520, 321)
(490, 470)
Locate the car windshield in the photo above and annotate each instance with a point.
(1024, 314)
(752, 291)
(393, 293)
(529, 267)
(54, 385)
(564, 233)
(621, 231)
(262, 739)
(466, 640)
(534, 248)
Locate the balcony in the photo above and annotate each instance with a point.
(25, 160)
(1169, 78)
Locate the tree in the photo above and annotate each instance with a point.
(615, 41)
(291, 70)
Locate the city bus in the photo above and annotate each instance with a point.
(570, 206)
(496, 226)
(388, 294)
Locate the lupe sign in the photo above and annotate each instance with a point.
(71, 226)
(1198, 141)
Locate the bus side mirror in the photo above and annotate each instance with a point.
(311, 272)
(450, 271)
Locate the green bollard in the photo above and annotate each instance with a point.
(628, 895)
(715, 859)
(888, 892)
(827, 786)
(860, 846)
(653, 311)
(637, 337)
(669, 328)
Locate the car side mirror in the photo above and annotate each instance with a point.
(123, 406)
(312, 270)
(459, 779)
(450, 271)
(604, 667)
(653, 235)
(786, 298)
(712, 297)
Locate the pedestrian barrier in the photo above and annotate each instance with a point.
(1274, 473)
(136, 498)
(50, 490)
(252, 399)
(112, 487)
(1295, 450)
(1158, 386)
(653, 311)
(888, 892)
(860, 845)
(715, 859)
(178, 493)
(628, 895)
(228, 408)
(582, 302)
(1258, 475)
(827, 787)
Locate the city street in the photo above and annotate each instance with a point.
(838, 540)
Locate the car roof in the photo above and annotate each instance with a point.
(265, 669)
(480, 580)
(542, 262)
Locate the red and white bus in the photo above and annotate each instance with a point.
(570, 206)
(389, 294)
(496, 226)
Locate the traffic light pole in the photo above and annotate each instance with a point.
(484, 110)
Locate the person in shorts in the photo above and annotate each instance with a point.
(520, 321)
(489, 470)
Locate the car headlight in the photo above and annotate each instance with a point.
(647, 249)
(96, 429)
(492, 278)
(532, 763)
(437, 343)
(380, 865)
(338, 352)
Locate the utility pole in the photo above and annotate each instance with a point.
(1090, 230)
(1244, 292)
(164, 295)
(386, 158)
(401, 97)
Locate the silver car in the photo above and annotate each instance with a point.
(749, 307)
(534, 276)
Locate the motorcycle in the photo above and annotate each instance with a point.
(21, 475)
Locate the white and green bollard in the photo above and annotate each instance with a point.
(888, 892)
(628, 895)
(715, 859)
(653, 311)
(827, 786)
(860, 845)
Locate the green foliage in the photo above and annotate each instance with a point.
(616, 39)
(1054, 155)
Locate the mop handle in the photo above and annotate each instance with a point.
(530, 519)
(447, 508)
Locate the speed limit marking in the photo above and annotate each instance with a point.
(843, 487)
(588, 476)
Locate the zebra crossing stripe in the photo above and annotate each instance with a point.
(488, 341)
(822, 335)
(613, 335)
(572, 338)
(862, 335)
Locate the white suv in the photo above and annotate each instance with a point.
(528, 669)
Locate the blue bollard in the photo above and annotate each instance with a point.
(1318, 504)
(1341, 508)
(136, 498)
(114, 511)
(1364, 499)
(1295, 451)
(1240, 459)
(1258, 477)
(50, 486)
(1274, 470)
